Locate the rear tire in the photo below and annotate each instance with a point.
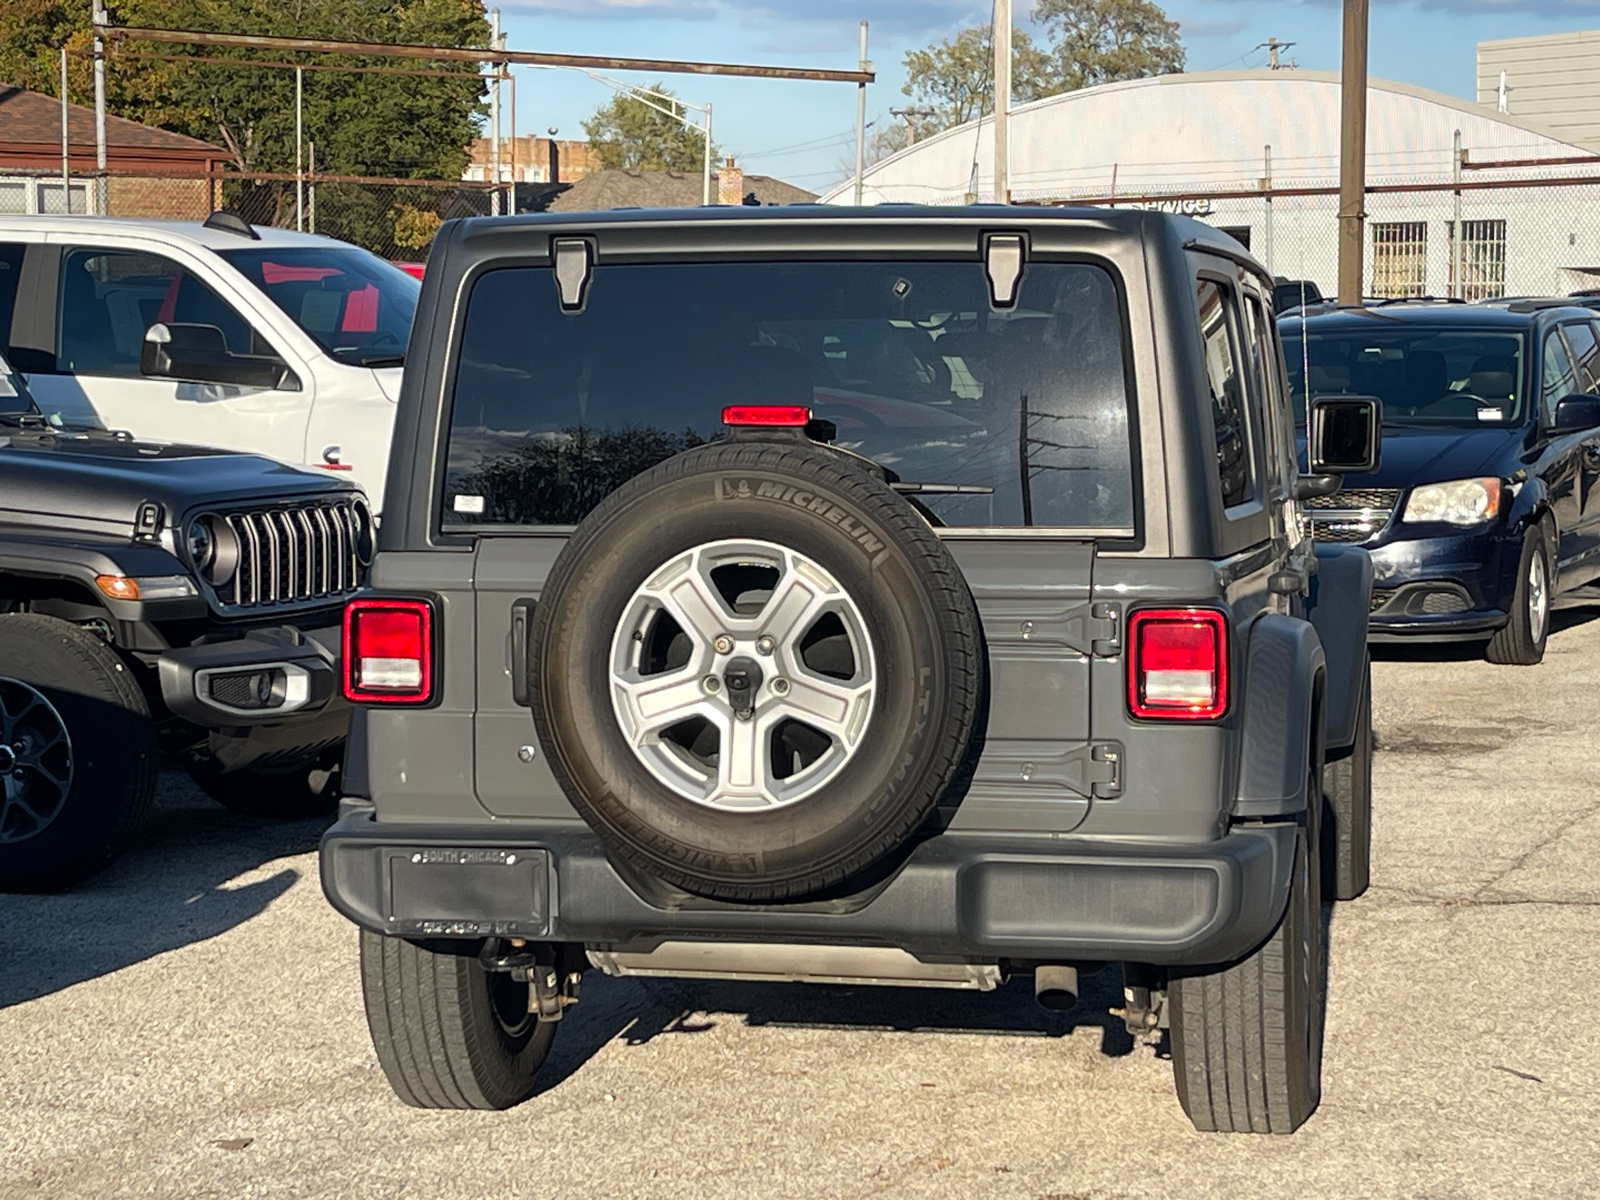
(81, 785)
(1247, 1040)
(1521, 641)
(306, 791)
(1347, 812)
(448, 1033)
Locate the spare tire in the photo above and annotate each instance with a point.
(754, 670)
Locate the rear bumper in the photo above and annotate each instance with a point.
(967, 897)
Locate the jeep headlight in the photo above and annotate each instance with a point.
(1459, 502)
(213, 549)
(202, 546)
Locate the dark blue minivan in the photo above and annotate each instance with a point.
(1485, 512)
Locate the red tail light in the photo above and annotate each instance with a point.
(1178, 664)
(388, 651)
(766, 414)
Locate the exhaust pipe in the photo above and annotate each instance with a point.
(1055, 987)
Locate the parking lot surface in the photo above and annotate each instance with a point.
(190, 1024)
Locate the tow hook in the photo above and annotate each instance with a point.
(550, 992)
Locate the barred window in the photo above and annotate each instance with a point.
(1399, 258)
(1483, 260)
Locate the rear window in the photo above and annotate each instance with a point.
(1025, 411)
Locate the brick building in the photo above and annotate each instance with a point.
(153, 173)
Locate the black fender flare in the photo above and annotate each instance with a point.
(1337, 606)
(1283, 662)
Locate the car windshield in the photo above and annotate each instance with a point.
(1425, 375)
(1007, 417)
(353, 304)
(14, 396)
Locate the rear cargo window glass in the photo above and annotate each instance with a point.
(1025, 411)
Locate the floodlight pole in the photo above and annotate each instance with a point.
(1352, 151)
(1002, 101)
(861, 117)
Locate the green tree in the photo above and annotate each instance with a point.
(629, 134)
(362, 123)
(956, 78)
(1088, 42)
(1103, 41)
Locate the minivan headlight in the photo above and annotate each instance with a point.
(1459, 502)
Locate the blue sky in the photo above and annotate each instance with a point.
(803, 132)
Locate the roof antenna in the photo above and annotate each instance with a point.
(228, 222)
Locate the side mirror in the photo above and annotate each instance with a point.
(200, 354)
(1343, 435)
(1577, 411)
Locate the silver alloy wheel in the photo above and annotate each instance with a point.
(35, 762)
(1538, 599)
(742, 675)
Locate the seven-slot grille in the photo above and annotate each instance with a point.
(296, 553)
(1353, 515)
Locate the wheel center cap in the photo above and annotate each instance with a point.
(8, 759)
(742, 679)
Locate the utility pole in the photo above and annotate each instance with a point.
(1002, 101)
(494, 115)
(99, 18)
(1274, 47)
(911, 116)
(1352, 151)
(861, 116)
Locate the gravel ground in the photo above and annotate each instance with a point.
(190, 1025)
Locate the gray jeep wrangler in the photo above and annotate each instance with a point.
(899, 596)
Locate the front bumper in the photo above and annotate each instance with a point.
(957, 896)
(1447, 587)
(270, 698)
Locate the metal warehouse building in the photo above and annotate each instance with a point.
(1257, 153)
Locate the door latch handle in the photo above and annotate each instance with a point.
(521, 621)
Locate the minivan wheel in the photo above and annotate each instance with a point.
(1521, 641)
(1347, 811)
(448, 1033)
(1247, 1040)
(77, 754)
(755, 670)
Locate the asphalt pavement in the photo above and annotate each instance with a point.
(189, 1024)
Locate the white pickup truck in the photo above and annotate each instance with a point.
(249, 338)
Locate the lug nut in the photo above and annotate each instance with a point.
(723, 644)
(711, 684)
(780, 687)
(765, 645)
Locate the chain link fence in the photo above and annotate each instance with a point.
(1495, 234)
(394, 218)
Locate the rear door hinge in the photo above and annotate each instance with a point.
(1105, 628)
(1103, 771)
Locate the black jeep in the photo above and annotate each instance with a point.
(159, 598)
(899, 596)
